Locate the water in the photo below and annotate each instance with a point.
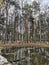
(34, 56)
(31, 56)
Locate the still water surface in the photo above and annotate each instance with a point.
(30, 56)
(33, 56)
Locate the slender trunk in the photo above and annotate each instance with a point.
(34, 30)
(40, 30)
(14, 25)
(45, 30)
(20, 29)
(22, 37)
(6, 18)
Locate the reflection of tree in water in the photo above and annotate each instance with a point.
(38, 58)
(30, 56)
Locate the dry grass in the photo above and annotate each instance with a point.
(38, 44)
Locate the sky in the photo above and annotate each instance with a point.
(43, 2)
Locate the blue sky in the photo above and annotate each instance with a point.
(44, 2)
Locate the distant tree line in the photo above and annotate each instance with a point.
(23, 22)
